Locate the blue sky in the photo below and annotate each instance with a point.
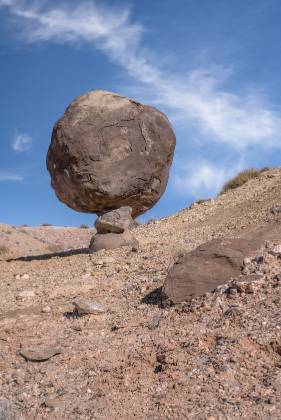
(212, 66)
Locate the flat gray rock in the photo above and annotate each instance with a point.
(85, 306)
(39, 353)
(113, 241)
(115, 221)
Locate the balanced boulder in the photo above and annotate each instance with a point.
(108, 151)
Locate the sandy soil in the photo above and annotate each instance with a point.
(217, 358)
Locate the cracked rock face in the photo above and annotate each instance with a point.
(109, 151)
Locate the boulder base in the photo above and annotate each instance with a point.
(115, 221)
(113, 241)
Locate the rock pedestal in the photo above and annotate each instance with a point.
(113, 230)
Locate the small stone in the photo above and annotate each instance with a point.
(25, 277)
(222, 288)
(276, 210)
(86, 276)
(247, 261)
(83, 306)
(259, 259)
(276, 250)
(39, 354)
(46, 309)
(154, 322)
(26, 294)
(18, 376)
(232, 291)
(17, 277)
(99, 262)
(5, 410)
(52, 403)
(115, 221)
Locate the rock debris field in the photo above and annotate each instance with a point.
(85, 336)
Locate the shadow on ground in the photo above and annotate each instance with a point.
(42, 257)
(153, 298)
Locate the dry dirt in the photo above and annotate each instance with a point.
(216, 358)
(18, 241)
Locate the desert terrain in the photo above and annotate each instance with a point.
(217, 357)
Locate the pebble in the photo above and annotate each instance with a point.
(84, 306)
(46, 309)
(26, 294)
(22, 277)
(86, 276)
(39, 354)
(5, 410)
(105, 261)
(154, 322)
(52, 403)
(276, 250)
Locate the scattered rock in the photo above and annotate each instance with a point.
(276, 210)
(113, 241)
(84, 306)
(52, 402)
(154, 322)
(119, 154)
(47, 309)
(5, 410)
(214, 263)
(27, 294)
(39, 353)
(115, 221)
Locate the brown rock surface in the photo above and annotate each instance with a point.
(109, 151)
(115, 221)
(112, 241)
(212, 264)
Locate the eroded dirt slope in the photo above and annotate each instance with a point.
(218, 358)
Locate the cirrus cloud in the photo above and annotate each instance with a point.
(198, 98)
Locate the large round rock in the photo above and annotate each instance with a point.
(109, 151)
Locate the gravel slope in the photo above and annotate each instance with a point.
(218, 358)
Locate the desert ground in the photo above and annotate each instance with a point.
(217, 357)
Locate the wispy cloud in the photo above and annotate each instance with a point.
(198, 98)
(8, 177)
(203, 179)
(21, 143)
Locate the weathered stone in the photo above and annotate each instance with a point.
(84, 306)
(5, 410)
(108, 151)
(115, 221)
(113, 241)
(26, 294)
(39, 353)
(212, 264)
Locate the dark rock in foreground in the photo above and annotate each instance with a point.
(212, 264)
(108, 151)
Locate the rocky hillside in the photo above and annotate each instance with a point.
(16, 241)
(218, 357)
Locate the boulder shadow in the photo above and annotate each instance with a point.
(61, 254)
(153, 298)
